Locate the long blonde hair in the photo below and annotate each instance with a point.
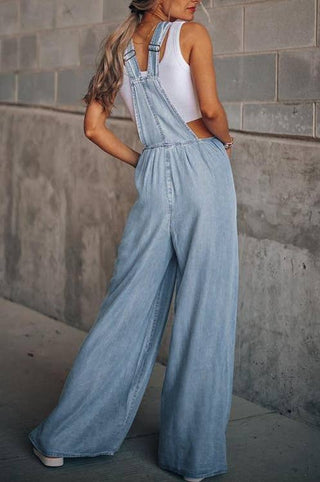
(107, 80)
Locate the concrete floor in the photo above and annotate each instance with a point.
(36, 355)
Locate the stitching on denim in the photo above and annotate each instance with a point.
(157, 38)
(147, 349)
(179, 143)
(137, 115)
(126, 421)
(156, 55)
(130, 67)
(154, 115)
(134, 63)
(128, 58)
(143, 78)
(174, 110)
(168, 169)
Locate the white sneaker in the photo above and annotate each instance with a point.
(189, 479)
(48, 461)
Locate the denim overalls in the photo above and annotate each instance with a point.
(182, 230)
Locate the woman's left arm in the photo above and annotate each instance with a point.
(97, 132)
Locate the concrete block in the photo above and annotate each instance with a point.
(78, 12)
(222, 3)
(279, 25)
(233, 112)
(279, 118)
(202, 16)
(36, 87)
(115, 10)
(9, 53)
(72, 85)
(277, 183)
(318, 119)
(9, 22)
(299, 74)
(318, 26)
(37, 14)
(246, 77)
(224, 39)
(28, 52)
(58, 48)
(7, 87)
(90, 40)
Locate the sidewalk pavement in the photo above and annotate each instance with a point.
(36, 354)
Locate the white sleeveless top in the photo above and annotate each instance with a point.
(175, 77)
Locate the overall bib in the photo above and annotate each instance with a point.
(181, 232)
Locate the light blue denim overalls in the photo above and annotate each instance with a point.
(182, 229)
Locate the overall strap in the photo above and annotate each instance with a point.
(154, 47)
(131, 66)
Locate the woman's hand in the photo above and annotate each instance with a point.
(228, 151)
(137, 160)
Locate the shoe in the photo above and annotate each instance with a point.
(48, 461)
(189, 479)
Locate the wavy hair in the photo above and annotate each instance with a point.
(107, 80)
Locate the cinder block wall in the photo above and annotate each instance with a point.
(64, 201)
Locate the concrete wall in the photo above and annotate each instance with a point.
(64, 201)
(63, 205)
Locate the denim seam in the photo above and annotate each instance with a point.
(168, 186)
(174, 110)
(129, 69)
(132, 61)
(155, 315)
(180, 143)
(153, 56)
(138, 119)
(141, 78)
(154, 115)
(126, 421)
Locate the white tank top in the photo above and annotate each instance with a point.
(175, 77)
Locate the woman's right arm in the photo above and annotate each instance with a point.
(96, 130)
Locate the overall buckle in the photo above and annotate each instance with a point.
(128, 55)
(154, 47)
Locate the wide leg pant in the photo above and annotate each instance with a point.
(182, 228)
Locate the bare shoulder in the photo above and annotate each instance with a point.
(196, 32)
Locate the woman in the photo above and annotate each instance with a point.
(182, 232)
